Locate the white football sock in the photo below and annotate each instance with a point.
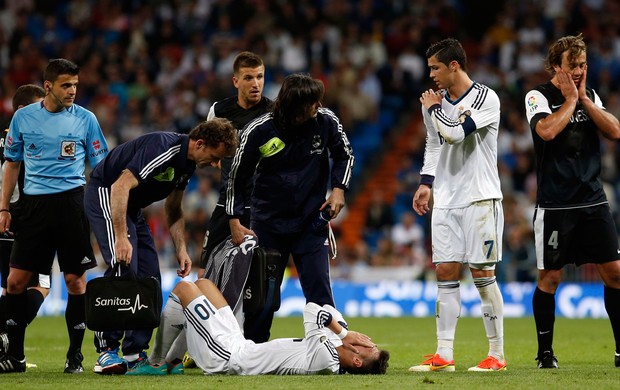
(492, 314)
(447, 313)
(171, 325)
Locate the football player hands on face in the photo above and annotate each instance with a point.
(430, 98)
(582, 84)
(566, 84)
(354, 339)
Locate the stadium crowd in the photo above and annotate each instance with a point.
(152, 66)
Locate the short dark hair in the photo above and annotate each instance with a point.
(26, 94)
(60, 66)
(375, 367)
(575, 46)
(246, 59)
(448, 50)
(298, 91)
(215, 132)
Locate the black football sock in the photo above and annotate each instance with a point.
(16, 306)
(612, 299)
(543, 305)
(35, 300)
(75, 316)
(2, 313)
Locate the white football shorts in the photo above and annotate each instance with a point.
(213, 335)
(472, 234)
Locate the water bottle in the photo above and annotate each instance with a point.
(322, 219)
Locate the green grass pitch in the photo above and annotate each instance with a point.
(585, 350)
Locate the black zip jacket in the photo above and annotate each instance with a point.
(291, 170)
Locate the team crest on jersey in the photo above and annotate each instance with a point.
(167, 175)
(464, 115)
(67, 149)
(316, 141)
(316, 145)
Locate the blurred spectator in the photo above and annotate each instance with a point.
(203, 199)
(152, 66)
(407, 232)
(530, 59)
(396, 82)
(520, 254)
(369, 84)
(317, 48)
(351, 260)
(355, 107)
(412, 63)
(385, 254)
(294, 57)
(605, 68)
(379, 217)
(409, 240)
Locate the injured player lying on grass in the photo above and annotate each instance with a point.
(216, 343)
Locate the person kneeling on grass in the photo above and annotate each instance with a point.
(216, 343)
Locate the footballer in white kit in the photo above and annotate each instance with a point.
(461, 154)
(460, 170)
(216, 344)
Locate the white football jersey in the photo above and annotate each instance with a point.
(461, 148)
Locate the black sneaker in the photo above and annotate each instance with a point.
(9, 364)
(548, 360)
(617, 359)
(4, 343)
(73, 365)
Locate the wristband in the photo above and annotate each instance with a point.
(7, 210)
(343, 333)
